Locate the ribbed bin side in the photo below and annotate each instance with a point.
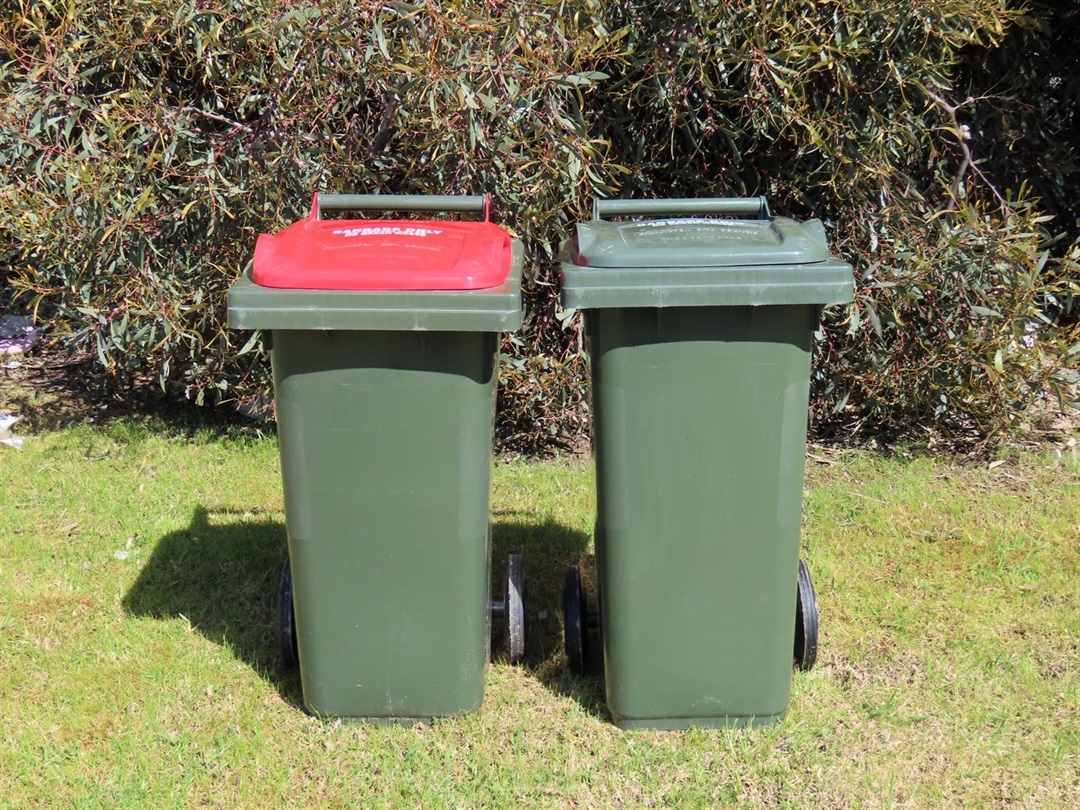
(700, 435)
(385, 451)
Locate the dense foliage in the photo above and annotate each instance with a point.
(149, 141)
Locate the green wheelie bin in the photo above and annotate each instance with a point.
(384, 342)
(699, 320)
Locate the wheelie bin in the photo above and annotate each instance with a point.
(699, 327)
(384, 342)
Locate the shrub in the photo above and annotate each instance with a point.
(154, 139)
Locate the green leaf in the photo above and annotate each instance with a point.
(875, 322)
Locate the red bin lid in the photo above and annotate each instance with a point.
(382, 254)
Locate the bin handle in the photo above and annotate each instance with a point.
(471, 204)
(753, 206)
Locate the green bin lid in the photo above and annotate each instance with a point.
(700, 261)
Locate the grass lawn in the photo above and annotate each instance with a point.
(139, 666)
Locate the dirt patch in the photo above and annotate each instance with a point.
(49, 389)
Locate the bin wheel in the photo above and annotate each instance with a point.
(515, 609)
(287, 619)
(574, 620)
(806, 621)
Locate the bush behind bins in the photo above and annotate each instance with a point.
(150, 141)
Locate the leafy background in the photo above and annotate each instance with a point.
(147, 142)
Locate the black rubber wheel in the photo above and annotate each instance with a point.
(574, 620)
(806, 621)
(287, 619)
(515, 609)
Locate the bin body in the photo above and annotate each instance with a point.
(700, 384)
(384, 402)
(385, 455)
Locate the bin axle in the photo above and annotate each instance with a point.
(577, 619)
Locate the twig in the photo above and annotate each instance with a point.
(963, 135)
(215, 117)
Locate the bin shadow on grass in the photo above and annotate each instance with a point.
(222, 576)
(547, 548)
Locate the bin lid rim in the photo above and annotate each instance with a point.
(689, 241)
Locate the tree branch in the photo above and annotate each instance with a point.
(963, 136)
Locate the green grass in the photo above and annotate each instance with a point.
(138, 662)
